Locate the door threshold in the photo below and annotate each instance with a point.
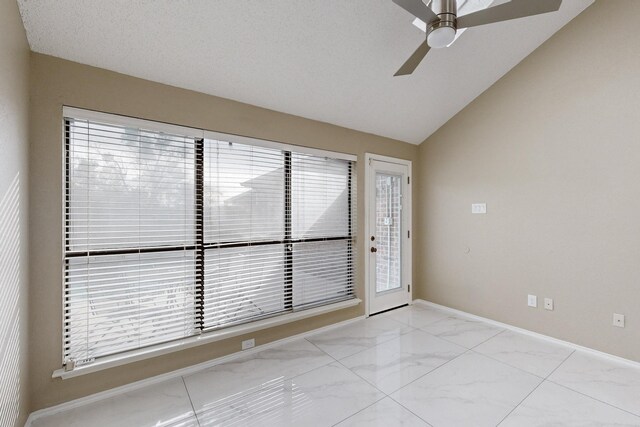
(389, 309)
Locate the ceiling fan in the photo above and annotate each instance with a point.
(442, 21)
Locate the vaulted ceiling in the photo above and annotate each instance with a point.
(329, 60)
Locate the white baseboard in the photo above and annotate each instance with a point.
(174, 374)
(568, 344)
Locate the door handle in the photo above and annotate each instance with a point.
(374, 249)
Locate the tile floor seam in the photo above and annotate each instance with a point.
(422, 376)
(413, 329)
(561, 363)
(428, 323)
(364, 379)
(431, 371)
(418, 327)
(316, 346)
(361, 377)
(460, 345)
(356, 413)
(374, 385)
(206, 410)
(520, 403)
(541, 382)
(440, 338)
(512, 366)
(546, 379)
(471, 351)
(386, 342)
(403, 386)
(259, 388)
(375, 345)
(496, 335)
(594, 398)
(195, 415)
(311, 370)
(419, 417)
(538, 386)
(356, 374)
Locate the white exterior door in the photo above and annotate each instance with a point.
(388, 239)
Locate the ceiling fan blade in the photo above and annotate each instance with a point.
(418, 9)
(511, 10)
(414, 60)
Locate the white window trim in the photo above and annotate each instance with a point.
(277, 145)
(206, 338)
(116, 119)
(123, 358)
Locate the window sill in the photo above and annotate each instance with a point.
(158, 350)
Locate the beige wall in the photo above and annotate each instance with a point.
(54, 83)
(14, 143)
(553, 148)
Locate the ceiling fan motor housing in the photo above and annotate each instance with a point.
(440, 33)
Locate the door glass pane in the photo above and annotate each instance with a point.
(388, 230)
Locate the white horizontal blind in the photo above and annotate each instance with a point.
(320, 196)
(168, 235)
(244, 193)
(116, 303)
(130, 220)
(244, 207)
(243, 284)
(322, 272)
(129, 187)
(278, 231)
(322, 220)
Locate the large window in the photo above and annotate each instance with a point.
(169, 234)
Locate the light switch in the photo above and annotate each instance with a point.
(479, 208)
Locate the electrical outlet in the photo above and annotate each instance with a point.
(618, 320)
(247, 344)
(548, 304)
(532, 301)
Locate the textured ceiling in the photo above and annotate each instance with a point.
(329, 60)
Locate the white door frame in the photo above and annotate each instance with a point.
(406, 200)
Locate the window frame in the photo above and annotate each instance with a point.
(287, 241)
(208, 334)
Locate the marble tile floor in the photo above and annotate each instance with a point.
(415, 366)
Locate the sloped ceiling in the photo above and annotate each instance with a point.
(330, 60)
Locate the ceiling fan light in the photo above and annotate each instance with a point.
(441, 37)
